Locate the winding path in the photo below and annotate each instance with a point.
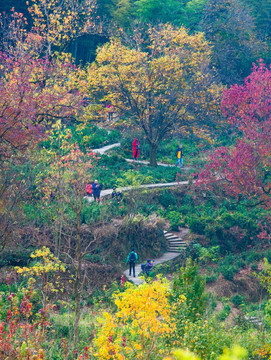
(166, 256)
(127, 188)
(103, 149)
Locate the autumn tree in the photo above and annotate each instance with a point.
(140, 325)
(59, 22)
(244, 169)
(157, 87)
(62, 182)
(33, 93)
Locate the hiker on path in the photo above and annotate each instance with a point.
(136, 146)
(131, 259)
(96, 190)
(89, 189)
(179, 155)
(116, 195)
(146, 268)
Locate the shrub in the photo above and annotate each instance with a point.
(21, 327)
(212, 277)
(196, 225)
(205, 338)
(166, 199)
(175, 219)
(191, 284)
(206, 254)
(15, 257)
(253, 256)
(223, 314)
(237, 299)
(228, 272)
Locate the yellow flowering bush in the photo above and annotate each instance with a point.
(42, 272)
(235, 353)
(48, 263)
(140, 325)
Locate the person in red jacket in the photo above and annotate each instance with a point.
(136, 146)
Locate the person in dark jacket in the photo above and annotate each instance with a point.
(131, 259)
(116, 195)
(179, 155)
(96, 190)
(146, 268)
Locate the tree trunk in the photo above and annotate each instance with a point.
(76, 309)
(153, 149)
(77, 281)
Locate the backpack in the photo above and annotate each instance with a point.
(132, 257)
(89, 189)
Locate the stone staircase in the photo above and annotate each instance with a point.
(175, 243)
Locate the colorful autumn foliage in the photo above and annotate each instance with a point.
(58, 22)
(33, 92)
(41, 273)
(22, 332)
(244, 170)
(160, 86)
(140, 325)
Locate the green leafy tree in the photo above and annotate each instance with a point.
(230, 28)
(191, 284)
(176, 12)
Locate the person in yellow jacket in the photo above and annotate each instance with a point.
(179, 155)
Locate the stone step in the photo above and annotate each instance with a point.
(175, 240)
(253, 320)
(173, 251)
(172, 237)
(177, 247)
(177, 243)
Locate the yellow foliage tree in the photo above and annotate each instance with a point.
(163, 87)
(58, 22)
(138, 328)
(41, 272)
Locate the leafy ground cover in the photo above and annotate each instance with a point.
(87, 136)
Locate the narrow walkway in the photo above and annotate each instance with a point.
(127, 188)
(175, 246)
(103, 149)
(165, 257)
(148, 163)
(176, 242)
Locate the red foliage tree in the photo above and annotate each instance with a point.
(32, 91)
(244, 169)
